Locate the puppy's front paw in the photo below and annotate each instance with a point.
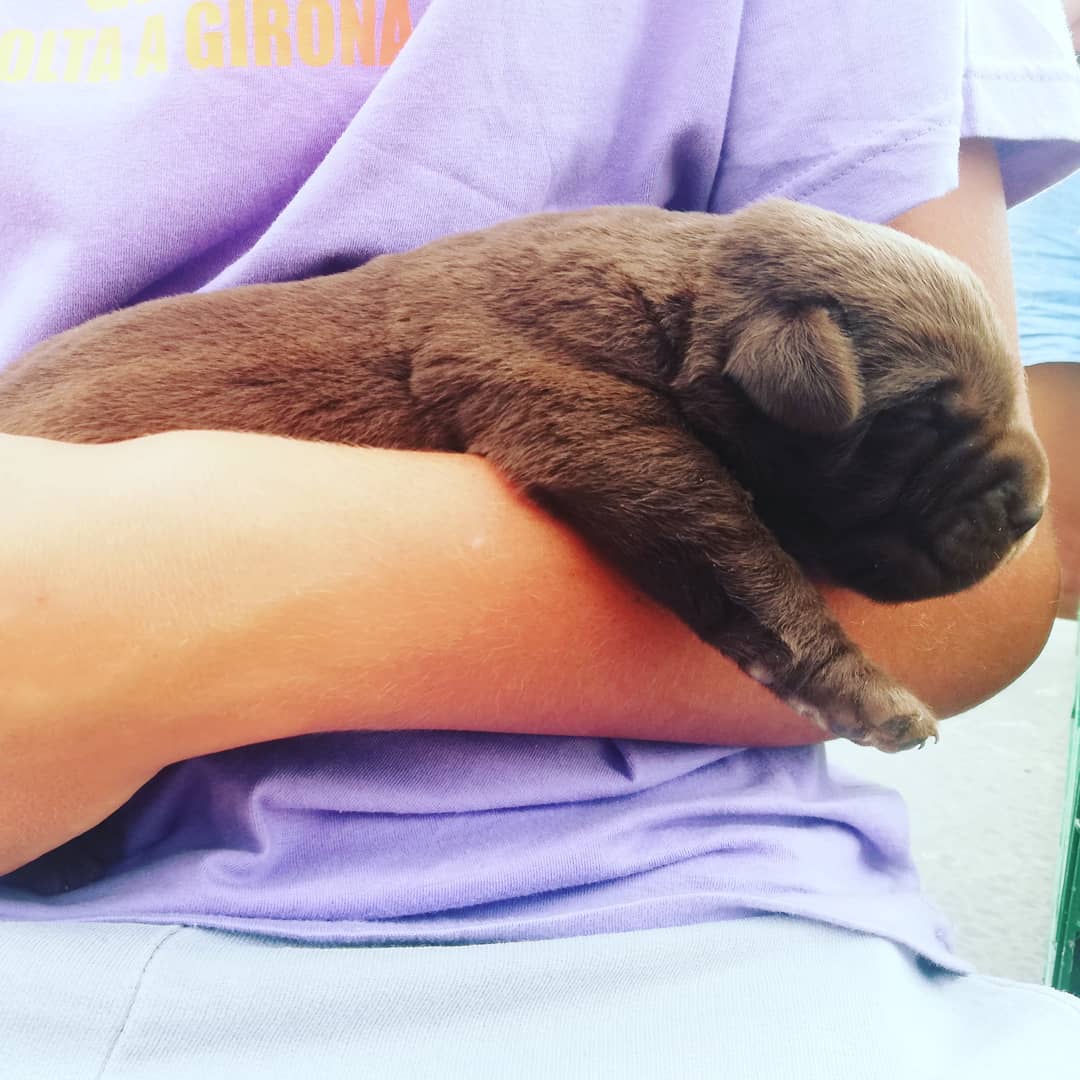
(882, 715)
(896, 720)
(829, 680)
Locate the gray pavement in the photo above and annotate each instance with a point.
(986, 807)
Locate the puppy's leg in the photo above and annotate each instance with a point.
(612, 461)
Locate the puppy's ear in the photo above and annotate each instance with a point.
(799, 368)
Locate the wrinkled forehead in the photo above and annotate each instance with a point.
(971, 374)
(946, 336)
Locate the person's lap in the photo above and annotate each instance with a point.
(758, 997)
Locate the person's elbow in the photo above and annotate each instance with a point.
(1003, 624)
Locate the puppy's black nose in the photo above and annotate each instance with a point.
(1023, 519)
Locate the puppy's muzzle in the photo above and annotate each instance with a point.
(995, 522)
(1028, 503)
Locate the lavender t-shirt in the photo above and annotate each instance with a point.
(158, 147)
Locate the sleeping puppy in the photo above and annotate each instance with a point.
(723, 406)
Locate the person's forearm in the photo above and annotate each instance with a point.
(228, 589)
(272, 587)
(276, 588)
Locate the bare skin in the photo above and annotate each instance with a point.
(1055, 402)
(1072, 13)
(186, 593)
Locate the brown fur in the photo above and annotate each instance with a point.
(717, 404)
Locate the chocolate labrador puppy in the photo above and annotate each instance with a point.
(725, 407)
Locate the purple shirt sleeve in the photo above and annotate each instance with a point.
(867, 115)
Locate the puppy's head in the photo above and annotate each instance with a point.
(879, 422)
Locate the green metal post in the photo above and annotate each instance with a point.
(1064, 962)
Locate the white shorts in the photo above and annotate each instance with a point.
(767, 998)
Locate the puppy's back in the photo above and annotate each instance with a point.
(333, 358)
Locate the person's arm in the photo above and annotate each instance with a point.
(1055, 401)
(1072, 14)
(186, 593)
